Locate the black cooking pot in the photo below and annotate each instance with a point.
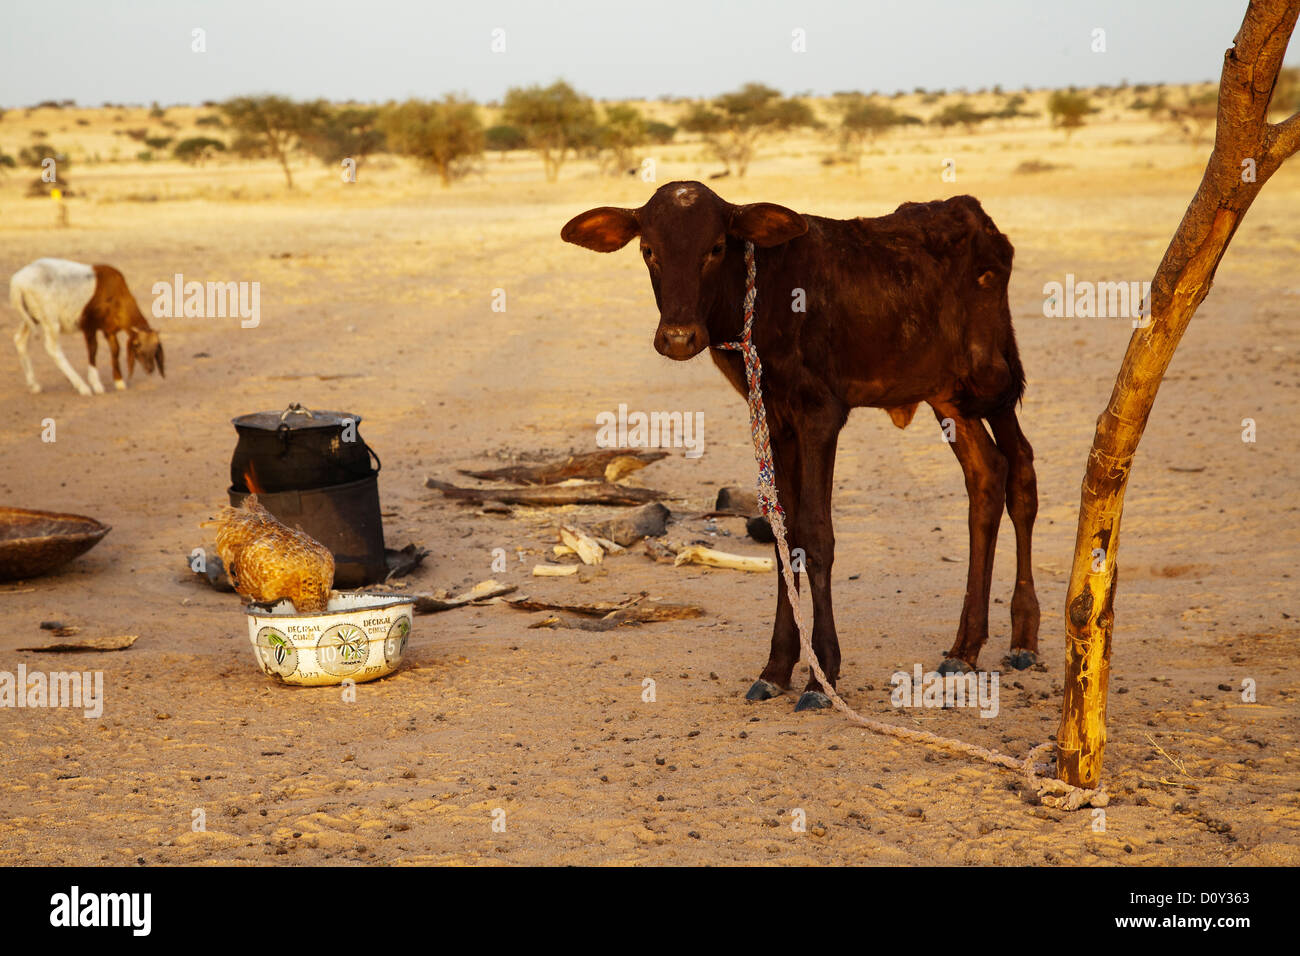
(299, 449)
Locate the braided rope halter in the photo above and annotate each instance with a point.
(1050, 791)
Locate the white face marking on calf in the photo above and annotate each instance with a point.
(685, 195)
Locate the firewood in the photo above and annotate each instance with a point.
(583, 544)
(648, 521)
(658, 551)
(623, 465)
(116, 643)
(483, 591)
(554, 570)
(597, 609)
(697, 554)
(546, 496)
(592, 465)
(638, 610)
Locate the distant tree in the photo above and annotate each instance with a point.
(861, 121)
(444, 135)
(211, 119)
(271, 126)
(622, 132)
(1196, 115)
(503, 138)
(556, 120)
(158, 142)
(732, 124)
(1011, 108)
(345, 133)
(959, 114)
(34, 156)
(1067, 110)
(196, 149)
(1157, 105)
(660, 133)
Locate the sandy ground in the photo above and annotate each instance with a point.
(383, 308)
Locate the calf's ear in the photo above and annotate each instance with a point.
(766, 224)
(603, 230)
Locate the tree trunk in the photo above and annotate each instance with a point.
(284, 164)
(1247, 151)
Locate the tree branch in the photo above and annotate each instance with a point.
(1283, 139)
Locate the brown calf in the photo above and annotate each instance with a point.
(902, 309)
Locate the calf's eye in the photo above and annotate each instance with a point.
(719, 248)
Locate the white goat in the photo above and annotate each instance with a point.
(55, 295)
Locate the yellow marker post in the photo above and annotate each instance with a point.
(57, 195)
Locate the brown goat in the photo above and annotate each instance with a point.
(55, 295)
(902, 309)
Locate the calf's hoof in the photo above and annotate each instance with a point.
(954, 665)
(812, 700)
(1020, 659)
(762, 690)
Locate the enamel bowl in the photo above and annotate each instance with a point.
(358, 638)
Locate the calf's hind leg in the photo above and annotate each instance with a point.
(985, 469)
(1022, 507)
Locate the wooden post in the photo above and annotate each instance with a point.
(1247, 151)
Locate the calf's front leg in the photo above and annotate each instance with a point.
(775, 678)
(804, 463)
(818, 439)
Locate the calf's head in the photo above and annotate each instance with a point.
(144, 346)
(686, 232)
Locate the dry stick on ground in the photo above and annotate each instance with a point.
(545, 496)
(592, 465)
(1247, 151)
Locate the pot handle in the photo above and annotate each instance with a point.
(295, 408)
(378, 464)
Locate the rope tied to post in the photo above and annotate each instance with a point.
(1049, 790)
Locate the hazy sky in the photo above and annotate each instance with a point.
(137, 51)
